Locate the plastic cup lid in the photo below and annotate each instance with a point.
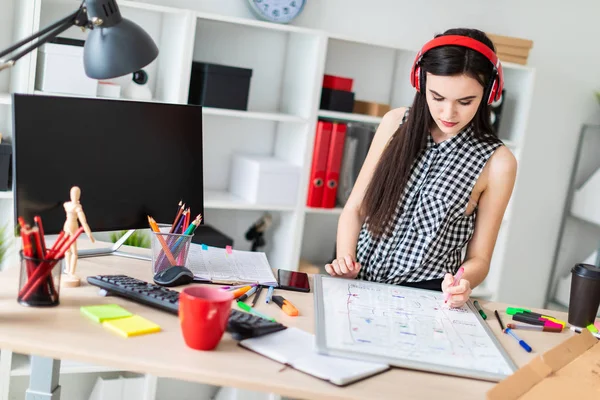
(586, 271)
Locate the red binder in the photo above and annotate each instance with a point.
(319, 164)
(334, 162)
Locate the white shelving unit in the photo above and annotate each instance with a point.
(579, 235)
(288, 64)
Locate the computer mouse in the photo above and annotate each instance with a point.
(174, 276)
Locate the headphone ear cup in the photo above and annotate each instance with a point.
(415, 78)
(493, 91)
(421, 81)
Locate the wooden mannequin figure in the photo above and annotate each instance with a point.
(75, 215)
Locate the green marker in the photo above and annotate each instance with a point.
(478, 307)
(251, 310)
(516, 310)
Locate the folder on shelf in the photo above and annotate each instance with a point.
(319, 163)
(296, 348)
(357, 144)
(334, 162)
(228, 266)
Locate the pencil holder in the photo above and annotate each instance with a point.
(39, 281)
(169, 249)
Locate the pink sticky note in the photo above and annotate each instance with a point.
(228, 249)
(597, 324)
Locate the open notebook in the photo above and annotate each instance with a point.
(296, 348)
(218, 265)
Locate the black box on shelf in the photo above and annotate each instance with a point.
(221, 86)
(337, 100)
(206, 234)
(5, 166)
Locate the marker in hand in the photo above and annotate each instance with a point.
(455, 282)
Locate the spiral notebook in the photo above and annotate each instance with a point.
(228, 266)
(296, 348)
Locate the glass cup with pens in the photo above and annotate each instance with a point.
(171, 244)
(41, 266)
(169, 249)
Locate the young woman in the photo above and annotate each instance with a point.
(436, 179)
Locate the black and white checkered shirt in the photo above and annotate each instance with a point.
(430, 228)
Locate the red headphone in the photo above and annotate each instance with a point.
(497, 82)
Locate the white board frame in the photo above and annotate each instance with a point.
(323, 348)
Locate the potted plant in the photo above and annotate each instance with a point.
(138, 239)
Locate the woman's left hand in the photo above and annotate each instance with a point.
(459, 293)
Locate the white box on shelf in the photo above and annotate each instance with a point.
(264, 180)
(60, 70)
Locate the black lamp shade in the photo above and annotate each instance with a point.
(117, 50)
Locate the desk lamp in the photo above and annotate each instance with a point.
(114, 47)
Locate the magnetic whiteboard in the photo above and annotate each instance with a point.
(405, 327)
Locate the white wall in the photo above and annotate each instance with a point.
(567, 63)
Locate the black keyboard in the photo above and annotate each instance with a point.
(241, 325)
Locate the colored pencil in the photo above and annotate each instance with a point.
(167, 252)
(177, 218)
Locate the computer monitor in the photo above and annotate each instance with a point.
(131, 159)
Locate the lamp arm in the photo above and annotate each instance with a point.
(78, 18)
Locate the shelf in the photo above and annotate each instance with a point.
(5, 98)
(340, 116)
(6, 195)
(327, 211)
(220, 199)
(257, 23)
(223, 112)
(21, 366)
(585, 200)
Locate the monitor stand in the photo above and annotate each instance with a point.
(114, 250)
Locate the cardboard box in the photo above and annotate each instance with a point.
(500, 40)
(570, 370)
(511, 49)
(370, 108)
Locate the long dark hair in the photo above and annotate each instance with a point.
(389, 179)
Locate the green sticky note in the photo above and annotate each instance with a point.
(105, 312)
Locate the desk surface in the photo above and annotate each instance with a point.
(63, 333)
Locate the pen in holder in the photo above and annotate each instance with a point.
(169, 249)
(39, 281)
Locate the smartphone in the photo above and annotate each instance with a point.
(292, 280)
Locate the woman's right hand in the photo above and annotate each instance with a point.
(343, 267)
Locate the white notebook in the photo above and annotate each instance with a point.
(296, 348)
(218, 265)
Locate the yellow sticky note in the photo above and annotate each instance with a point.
(131, 326)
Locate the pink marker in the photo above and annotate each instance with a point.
(455, 282)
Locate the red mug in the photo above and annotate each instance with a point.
(203, 315)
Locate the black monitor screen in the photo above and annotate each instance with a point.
(131, 159)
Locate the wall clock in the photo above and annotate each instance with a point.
(280, 11)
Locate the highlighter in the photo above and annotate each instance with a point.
(286, 306)
(240, 291)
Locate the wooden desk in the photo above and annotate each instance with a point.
(63, 333)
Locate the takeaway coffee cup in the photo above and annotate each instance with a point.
(585, 294)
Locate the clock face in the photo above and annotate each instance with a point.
(281, 11)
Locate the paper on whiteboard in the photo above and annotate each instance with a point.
(403, 323)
